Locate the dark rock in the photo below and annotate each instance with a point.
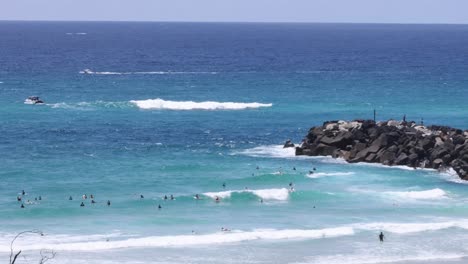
(393, 142)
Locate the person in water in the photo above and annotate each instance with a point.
(172, 197)
(93, 202)
(108, 203)
(22, 205)
(82, 204)
(141, 196)
(381, 237)
(165, 197)
(217, 199)
(224, 185)
(23, 192)
(197, 197)
(40, 198)
(159, 207)
(18, 198)
(70, 198)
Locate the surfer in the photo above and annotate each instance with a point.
(197, 197)
(381, 237)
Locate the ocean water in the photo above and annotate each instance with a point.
(181, 108)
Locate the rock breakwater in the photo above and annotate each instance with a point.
(390, 142)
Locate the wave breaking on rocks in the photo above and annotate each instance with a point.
(390, 142)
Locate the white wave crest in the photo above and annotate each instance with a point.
(190, 105)
(270, 151)
(185, 240)
(266, 194)
(88, 71)
(327, 174)
(421, 195)
(404, 228)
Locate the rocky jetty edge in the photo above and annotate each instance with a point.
(390, 143)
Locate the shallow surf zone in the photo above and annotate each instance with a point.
(224, 237)
(265, 194)
(191, 105)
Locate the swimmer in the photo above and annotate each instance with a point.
(381, 237)
(197, 197)
(224, 185)
(40, 198)
(141, 196)
(35, 198)
(84, 197)
(108, 203)
(70, 198)
(294, 168)
(225, 229)
(311, 172)
(18, 198)
(93, 202)
(22, 205)
(314, 169)
(172, 197)
(290, 184)
(258, 168)
(159, 207)
(165, 197)
(23, 192)
(92, 196)
(217, 199)
(82, 204)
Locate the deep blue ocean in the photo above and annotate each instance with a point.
(150, 110)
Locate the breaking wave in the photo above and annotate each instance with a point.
(190, 105)
(432, 194)
(88, 71)
(186, 240)
(266, 194)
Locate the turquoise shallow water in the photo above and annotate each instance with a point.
(127, 127)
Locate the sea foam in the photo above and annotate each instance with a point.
(191, 105)
(186, 240)
(266, 194)
(420, 195)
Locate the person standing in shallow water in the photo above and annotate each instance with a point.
(381, 237)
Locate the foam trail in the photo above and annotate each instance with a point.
(266, 194)
(190, 105)
(327, 174)
(432, 194)
(187, 240)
